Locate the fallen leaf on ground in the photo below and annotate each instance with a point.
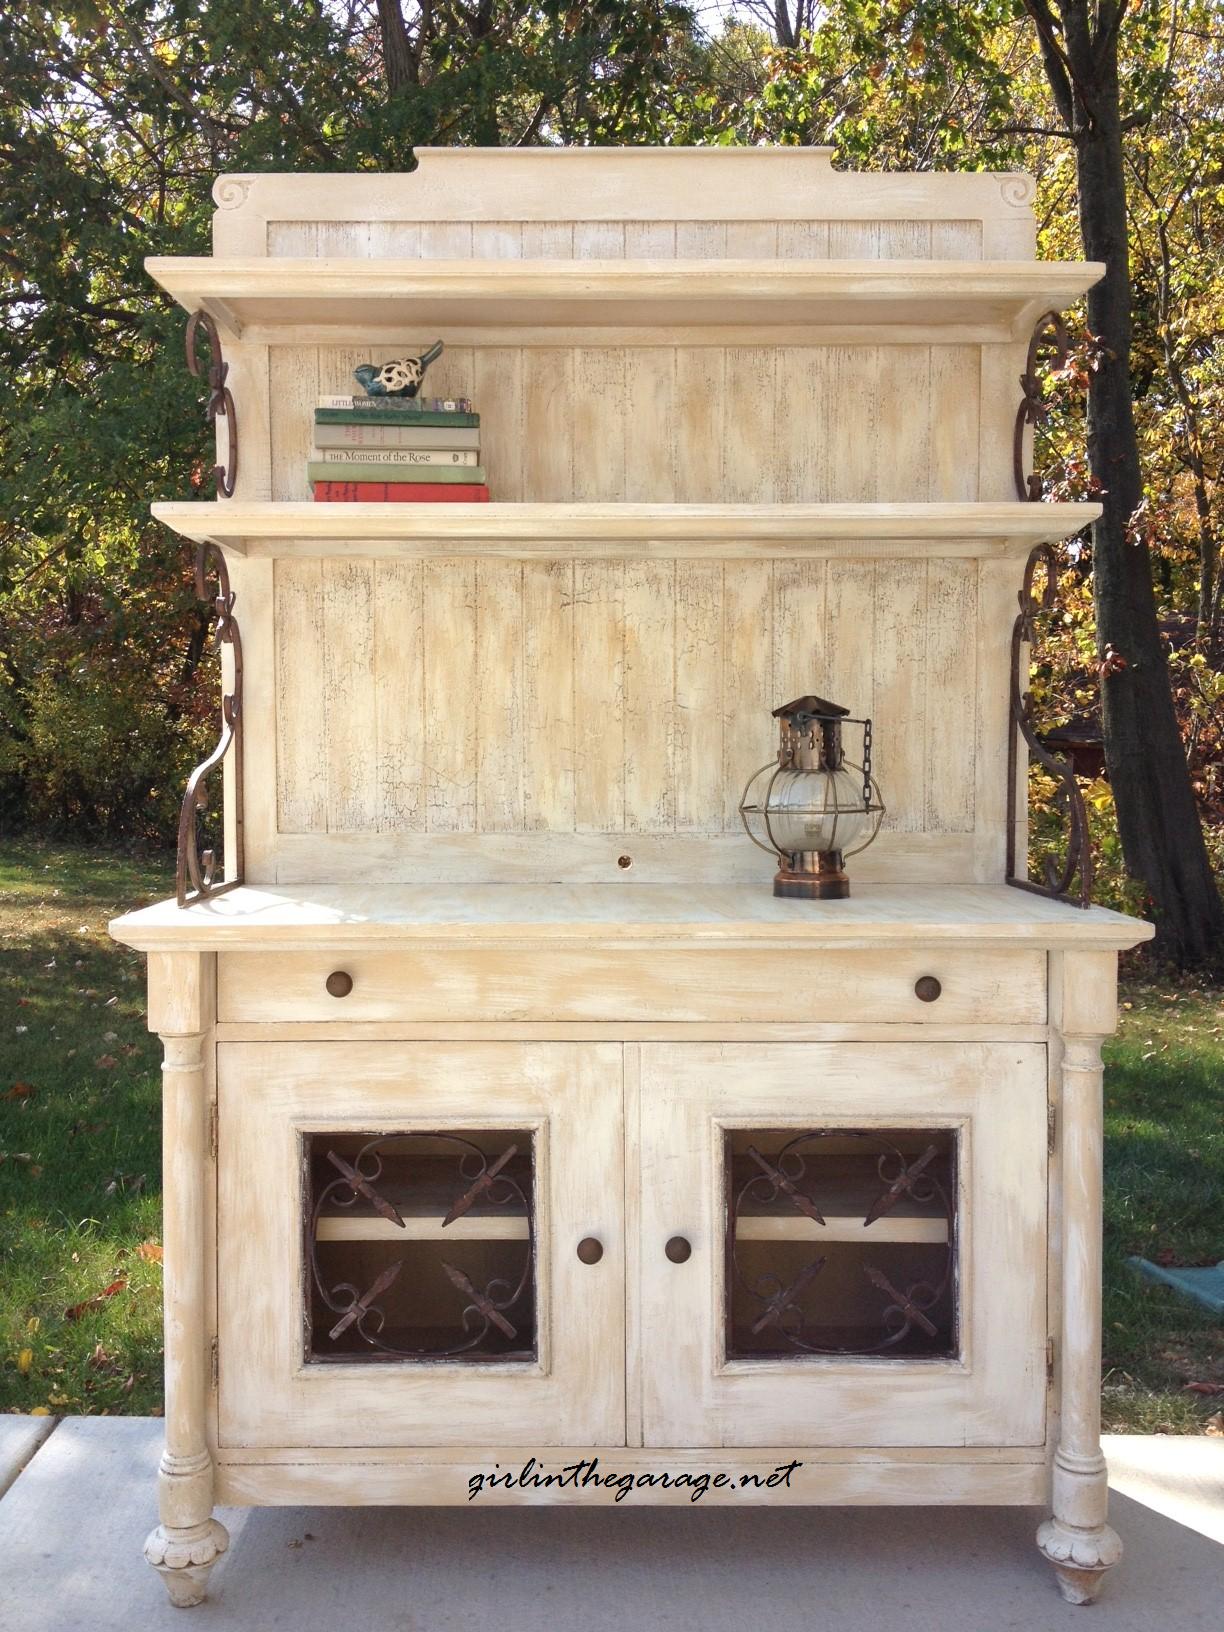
(39, 1411)
(106, 1062)
(1215, 1425)
(1205, 1388)
(20, 1090)
(150, 1251)
(25, 1360)
(98, 1299)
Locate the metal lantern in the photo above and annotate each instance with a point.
(817, 807)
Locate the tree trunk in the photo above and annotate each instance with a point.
(399, 63)
(1158, 820)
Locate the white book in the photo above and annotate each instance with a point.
(397, 456)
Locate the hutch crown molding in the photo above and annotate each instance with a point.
(509, 1118)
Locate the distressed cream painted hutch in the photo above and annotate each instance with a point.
(510, 1122)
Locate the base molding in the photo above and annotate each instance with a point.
(609, 1476)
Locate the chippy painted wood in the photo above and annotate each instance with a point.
(888, 291)
(750, 424)
(1076, 1539)
(571, 693)
(1006, 986)
(994, 1392)
(188, 1541)
(344, 917)
(883, 1480)
(569, 1095)
(622, 860)
(411, 701)
(628, 1031)
(796, 187)
(287, 529)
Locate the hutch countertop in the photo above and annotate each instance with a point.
(347, 917)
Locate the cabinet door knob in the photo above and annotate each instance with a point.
(590, 1250)
(339, 983)
(927, 989)
(679, 1250)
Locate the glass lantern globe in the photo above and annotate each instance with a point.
(817, 806)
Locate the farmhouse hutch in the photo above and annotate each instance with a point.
(512, 1124)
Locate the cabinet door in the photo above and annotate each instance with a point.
(397, 1232)
(867, 1231)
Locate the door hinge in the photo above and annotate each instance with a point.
(214, 1360)
(1051, 1128)
(212, 1129)
(1049, 1359)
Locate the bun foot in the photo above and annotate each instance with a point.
(1081, 1558)
(183, 1559)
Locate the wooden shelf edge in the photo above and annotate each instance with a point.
(268, 528)
(283, 297)
(633, 918)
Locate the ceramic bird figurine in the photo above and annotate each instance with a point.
(401, 377)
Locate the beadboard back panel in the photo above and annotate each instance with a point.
(767, 424)
(610, 702)
(590, 719)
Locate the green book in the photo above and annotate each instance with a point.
(355, 470)
(394, 416)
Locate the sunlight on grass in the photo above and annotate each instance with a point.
(80, 1309)
(1164, 1180)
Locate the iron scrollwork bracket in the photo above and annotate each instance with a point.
(195, 875)
(220, 401)
(781, 1178)
(1060, 877)
(486, 1308)
(1048, 337)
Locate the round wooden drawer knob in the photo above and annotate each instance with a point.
(927, 989)
(590, 1251)
(679, 1250)
(339, 983)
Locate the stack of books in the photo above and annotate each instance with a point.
(397, 450)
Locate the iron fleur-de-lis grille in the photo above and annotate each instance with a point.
(471, 1176)
(772, 1306)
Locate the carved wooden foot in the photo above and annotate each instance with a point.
(1080, 1557)
(184, 1557)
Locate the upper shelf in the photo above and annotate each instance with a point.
(548, 531)
(487, 302)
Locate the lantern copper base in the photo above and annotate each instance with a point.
(829, 884)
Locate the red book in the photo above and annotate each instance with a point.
(401, 493)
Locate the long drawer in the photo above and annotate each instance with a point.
(723, 986)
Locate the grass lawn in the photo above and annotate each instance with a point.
(80, 1138)
(80, 1277)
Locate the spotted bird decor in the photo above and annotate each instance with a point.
(401, 377)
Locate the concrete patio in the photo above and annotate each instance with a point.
(81, 1501)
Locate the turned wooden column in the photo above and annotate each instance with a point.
(1076, 1539)
(188, 1541)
